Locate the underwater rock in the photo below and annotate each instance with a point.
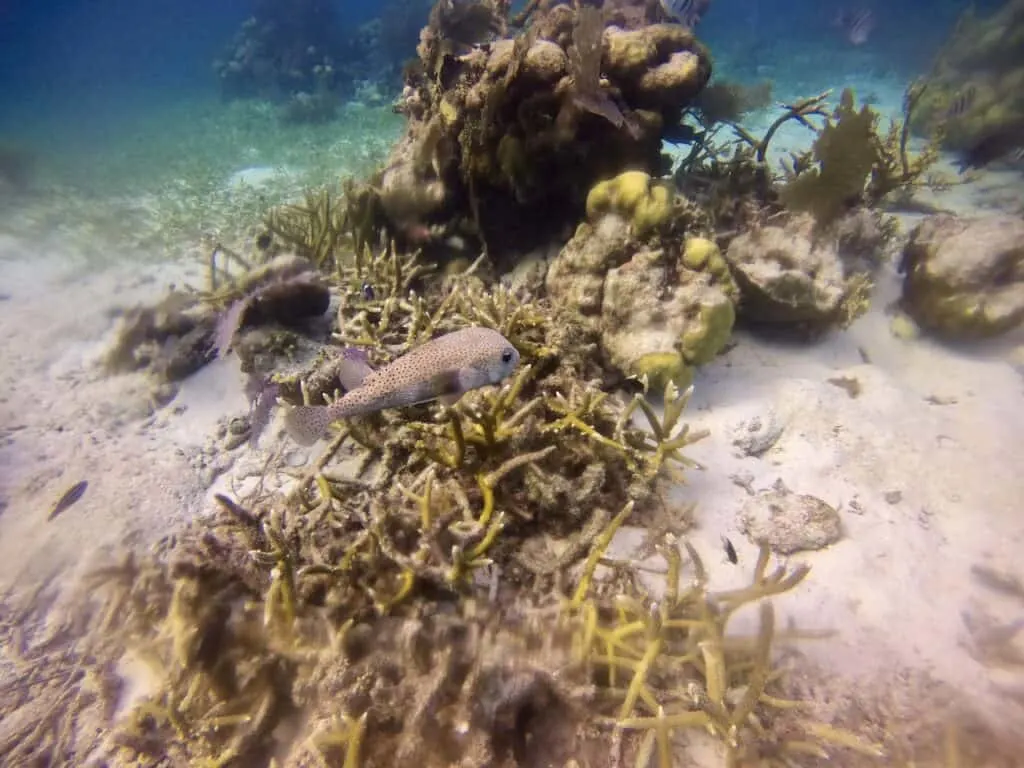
(789, 522)
(505, 141)
(965, 277)
(660, 328)
(575, 279)
(657, 64)
(171, 338)
(180, 334)
(790, 274)
(286, 290)
(756, 436)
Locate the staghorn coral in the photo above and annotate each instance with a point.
(505, 492)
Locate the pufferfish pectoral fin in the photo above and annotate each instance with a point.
(353, 368)
(306, 424)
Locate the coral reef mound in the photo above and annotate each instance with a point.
(507, 134)
(976, 86)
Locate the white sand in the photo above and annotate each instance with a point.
(894, 588)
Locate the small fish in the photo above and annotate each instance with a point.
(962, 103)
(1001, 142)
(686, 12)
(71, 495)
(228, 325)
(262, 394)
(730, 551)
(367, 291)
(443, 369)
(857, 24)
(680, 133)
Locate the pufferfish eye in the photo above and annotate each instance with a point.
(507, 355)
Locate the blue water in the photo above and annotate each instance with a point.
(91, 62)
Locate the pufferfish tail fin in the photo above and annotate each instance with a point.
(306, 424)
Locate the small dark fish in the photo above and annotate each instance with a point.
(730, 551)
(857, 24)
(71, 495)
(996, 144)
(686, 12)
(681, 133)
(963, 102)
(262, 394)
(367, 291)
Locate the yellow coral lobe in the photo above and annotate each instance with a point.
(653, 211)
(448, 112)
(702, 344)
(698, 252)
(645, 203)
(629, 189)
(661, 368)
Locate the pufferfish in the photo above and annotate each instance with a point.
(442, 369)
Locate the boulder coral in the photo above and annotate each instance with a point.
(685, 326)
(792, 274)
(964, 278)
(507, 133)
(659, 308)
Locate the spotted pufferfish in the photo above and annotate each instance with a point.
(442, 369)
